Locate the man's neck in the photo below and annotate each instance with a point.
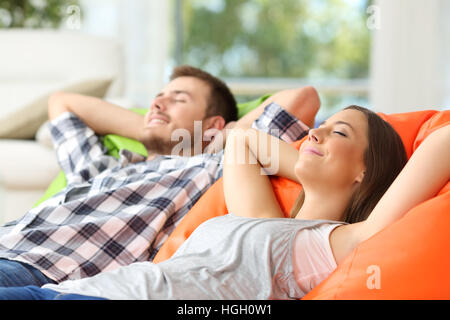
(151, 154)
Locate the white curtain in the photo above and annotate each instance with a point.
(410, 68)
(143, 28)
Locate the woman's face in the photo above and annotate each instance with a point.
(333, 155)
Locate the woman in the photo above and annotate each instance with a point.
(345, 167)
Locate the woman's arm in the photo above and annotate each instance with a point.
(427, 171)
(423, 176)
(99, 115)
(247, 188)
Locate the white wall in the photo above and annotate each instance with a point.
(409, 63)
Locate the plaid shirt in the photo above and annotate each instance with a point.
(114, 212)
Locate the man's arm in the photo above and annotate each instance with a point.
(99, 115)
(303, 103)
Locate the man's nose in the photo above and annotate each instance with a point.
(159, 103)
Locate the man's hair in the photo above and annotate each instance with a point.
(221, 101)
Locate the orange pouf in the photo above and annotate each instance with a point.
(407, 260)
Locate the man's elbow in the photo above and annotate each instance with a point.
(313, 97)
(307, 105)
(56, 104)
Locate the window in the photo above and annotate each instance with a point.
(261, 46)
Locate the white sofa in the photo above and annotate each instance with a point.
(32, 65)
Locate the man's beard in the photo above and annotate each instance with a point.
(183, 144)
(158, 145)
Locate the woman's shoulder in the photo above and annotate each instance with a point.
(345, 238)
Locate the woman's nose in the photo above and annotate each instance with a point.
(313, 135)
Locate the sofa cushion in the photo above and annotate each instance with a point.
(15, 169)
(24, 122)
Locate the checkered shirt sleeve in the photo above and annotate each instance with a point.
(79, 150)
(280, 123)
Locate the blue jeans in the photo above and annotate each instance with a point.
(18, 274)
(36, 293)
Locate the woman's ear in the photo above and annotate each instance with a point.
(360, 176)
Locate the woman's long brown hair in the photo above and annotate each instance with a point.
(384, 158)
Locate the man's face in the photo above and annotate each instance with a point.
(180, 103)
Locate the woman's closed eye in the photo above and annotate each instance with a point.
(340, 133)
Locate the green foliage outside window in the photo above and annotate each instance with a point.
(36, 13)
(283, 38)
(313, 40)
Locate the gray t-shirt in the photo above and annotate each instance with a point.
(227, 257)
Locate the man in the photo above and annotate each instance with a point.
(114, 212)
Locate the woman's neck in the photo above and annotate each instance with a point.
(326, 206)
